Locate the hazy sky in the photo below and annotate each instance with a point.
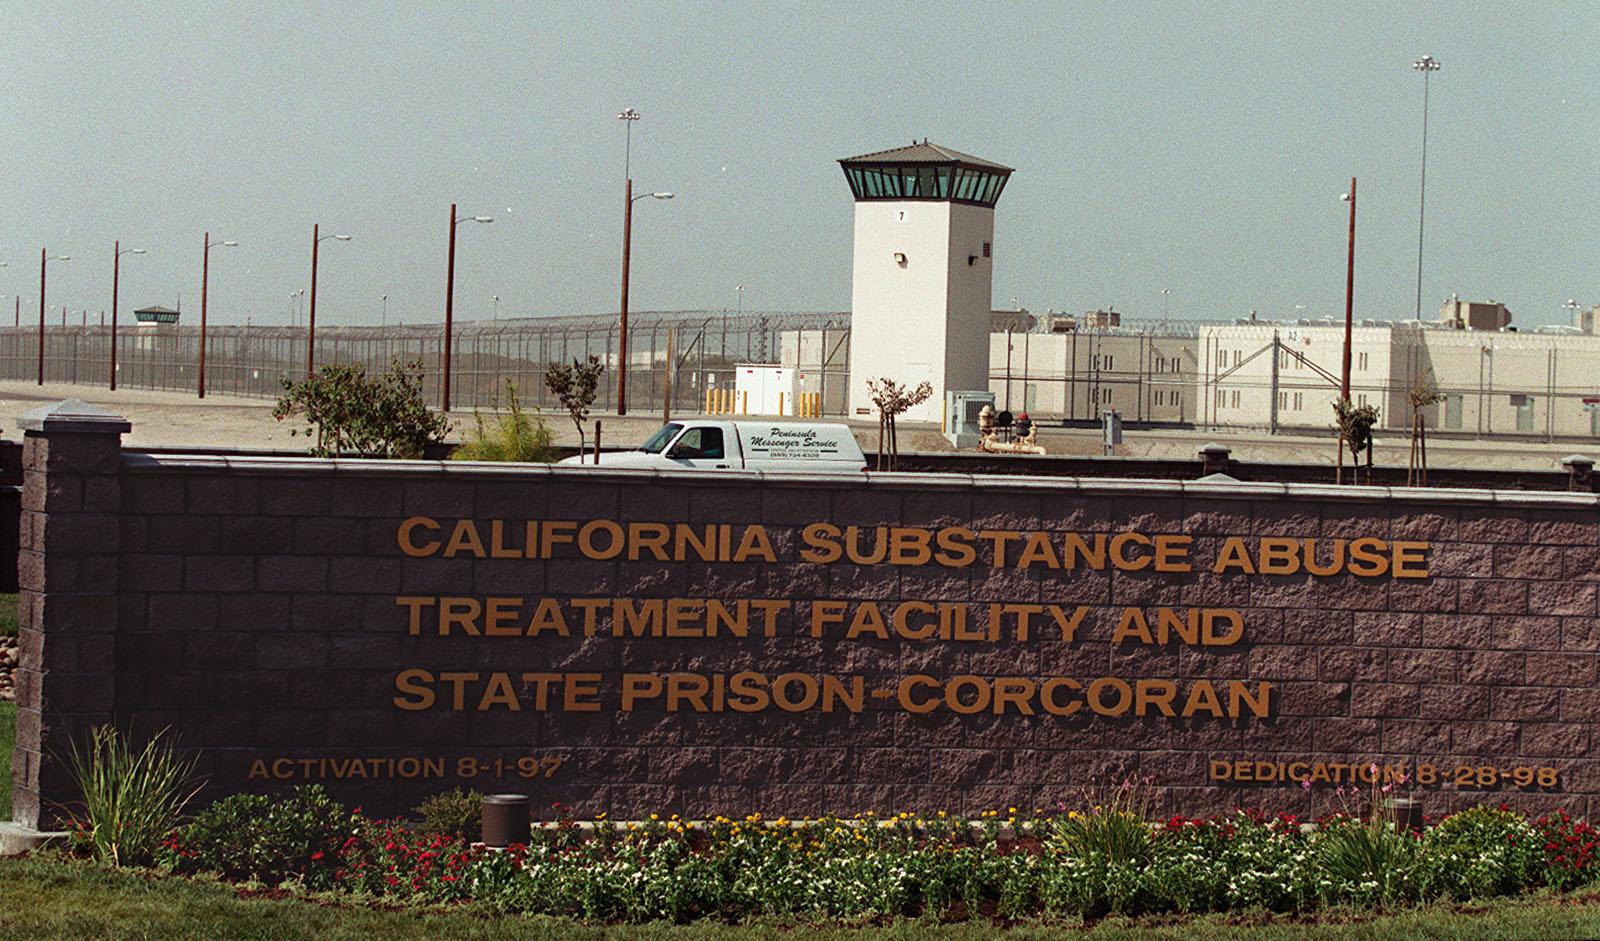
(1199, 148)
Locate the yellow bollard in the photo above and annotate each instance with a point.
(744, 403)
(780, 403)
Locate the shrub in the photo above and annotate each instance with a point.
(457, 813)
(350, 413)
(517, 436)
(1480, 853)
(268, 839)
(132, 798)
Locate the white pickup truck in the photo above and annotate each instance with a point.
(704, 444)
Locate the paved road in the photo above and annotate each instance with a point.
(177, 419)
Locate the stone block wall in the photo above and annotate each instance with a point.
(258, 608)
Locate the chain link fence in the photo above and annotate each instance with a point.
(686, 352)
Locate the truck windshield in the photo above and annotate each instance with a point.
(658, 442)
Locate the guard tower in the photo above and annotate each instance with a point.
(921, 292)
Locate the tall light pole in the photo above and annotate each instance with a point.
(44, 259)
(739, 310)
(205, 280)
(116, 272)
(311, 321)
(496, 315)
(384, 319)
(1164, 293)
(1427, 65)
(1349, 291)
(622, 334)
(450, 301)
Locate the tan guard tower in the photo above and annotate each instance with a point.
(921, 292)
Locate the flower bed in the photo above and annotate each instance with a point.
(1102, 859)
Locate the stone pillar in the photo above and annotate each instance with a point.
(67, 605)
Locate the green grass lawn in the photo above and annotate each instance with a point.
(48, 897)
(8, 741)
(8, 615)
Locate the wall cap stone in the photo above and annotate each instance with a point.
(73, 416)
(1214, 487)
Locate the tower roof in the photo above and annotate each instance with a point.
(924, 152)
(925, 171)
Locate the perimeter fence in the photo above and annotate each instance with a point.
(678, 353)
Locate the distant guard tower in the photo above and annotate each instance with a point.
(921, 294)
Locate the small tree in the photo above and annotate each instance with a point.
(1422, 394)
(892, 400)
(574, 386)
(517, 436)
(1354, 424)
(349, 413)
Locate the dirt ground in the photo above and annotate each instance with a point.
(178, 419)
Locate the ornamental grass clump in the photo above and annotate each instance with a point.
(516, 436)
(1365, 854)
(132, 797)
(1104, 851)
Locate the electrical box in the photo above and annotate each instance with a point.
(764, 389)
(961, 410)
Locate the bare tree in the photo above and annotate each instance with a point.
(1423, 393)
(893, 399)
(575, 387)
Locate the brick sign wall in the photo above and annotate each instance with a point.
(632, 643)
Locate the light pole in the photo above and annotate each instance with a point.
(739, 311)
(1349, 291)
(44, 259)
(1164, 293)
(294, 312)
(311, 320)
(1427, 65)
(116, 271)
(622, 334)
(205, 279)
(450, 300)
(496, 315)
(384, 321)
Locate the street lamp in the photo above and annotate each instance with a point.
(1349, 290)
(1426, 65)
(627, 252)
(205, 279)
(384, 321)
(450, 299)
(739, 310)
(1164, 293)
(116, 271)
(496, 315)
(311, 321)
(44, 259)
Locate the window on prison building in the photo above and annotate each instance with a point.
(1524, 408)
(1452, 411)
(1108, 362)
(1235, 398)
(1221, 398)
(1236, 356)
(1361, 400)
(1361, 361)
(1283, 401)
(1177, 399)
(1298, 401)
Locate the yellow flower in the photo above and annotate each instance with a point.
(655, 816)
